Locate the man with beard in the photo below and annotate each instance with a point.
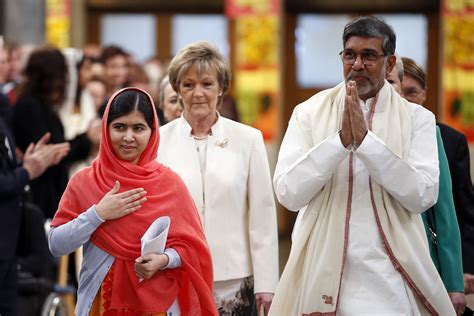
(364, 161)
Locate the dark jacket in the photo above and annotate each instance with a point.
(457, 151)
(31, 120)
(445, 248)
(13, 179)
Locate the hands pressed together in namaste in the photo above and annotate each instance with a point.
(353, 128)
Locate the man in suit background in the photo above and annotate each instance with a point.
(457, 151)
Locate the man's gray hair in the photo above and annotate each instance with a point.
(371, 26)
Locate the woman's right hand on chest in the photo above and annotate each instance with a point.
(115, 205)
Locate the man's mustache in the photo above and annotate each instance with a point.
(358, 75)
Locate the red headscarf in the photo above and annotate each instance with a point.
(166, 195)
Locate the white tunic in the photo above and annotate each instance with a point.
(370, 284)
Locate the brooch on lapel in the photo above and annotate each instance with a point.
(222, 143)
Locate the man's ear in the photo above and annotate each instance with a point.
(391, 60)
(423, 96)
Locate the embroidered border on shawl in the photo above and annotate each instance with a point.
(394, 260)
(396, 264)
(346, 232)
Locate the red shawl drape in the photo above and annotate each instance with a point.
(166, 195)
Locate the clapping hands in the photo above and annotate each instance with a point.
(40, 156)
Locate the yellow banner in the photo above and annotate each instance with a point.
(58, 22)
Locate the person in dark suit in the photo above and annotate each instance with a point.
(457, 152)
(13, 179)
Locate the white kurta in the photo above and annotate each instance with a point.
(370, 284)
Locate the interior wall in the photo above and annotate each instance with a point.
(24, 21)
(78, 22)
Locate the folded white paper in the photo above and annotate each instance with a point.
(154, 239)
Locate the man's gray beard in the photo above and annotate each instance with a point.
(365, 89)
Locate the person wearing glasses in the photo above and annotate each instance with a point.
(440, 221)
(457, 151)
(365, 163)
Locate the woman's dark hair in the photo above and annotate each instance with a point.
(46, 76)
(129, 101)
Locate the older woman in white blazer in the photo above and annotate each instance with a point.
(225, 167)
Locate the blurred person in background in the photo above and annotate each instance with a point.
(138, 77)
(7, 86)
(4, 68)
(155, 69)
(168, 101)
(17, 62)
(16, 55)
(224, 165)
(116, 68)
(87, 68)
(395, 77)
(414, 89)
(92, 50)
(36, 113)
(77, 111)
(96, 88)
(440, 221)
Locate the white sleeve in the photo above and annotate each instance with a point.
(262, 219)
(414, 182)
(302, 171)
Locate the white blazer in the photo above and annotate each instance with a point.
(239, 218)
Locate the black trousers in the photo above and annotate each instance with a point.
(8, 288)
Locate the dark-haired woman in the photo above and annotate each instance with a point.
(108, 207)
(36, 113)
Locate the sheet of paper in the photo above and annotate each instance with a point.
(154, 239)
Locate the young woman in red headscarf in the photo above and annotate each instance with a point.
(108, 207)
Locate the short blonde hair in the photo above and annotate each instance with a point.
(206, 58)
